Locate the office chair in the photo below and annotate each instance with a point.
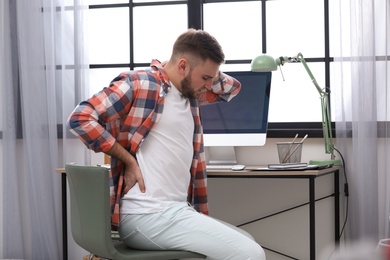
(91, 217)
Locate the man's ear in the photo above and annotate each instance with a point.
(183, 66)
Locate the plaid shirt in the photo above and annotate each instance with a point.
(128, 109)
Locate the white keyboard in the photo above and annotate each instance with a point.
(235, 167)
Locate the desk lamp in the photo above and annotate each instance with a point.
(264, 63)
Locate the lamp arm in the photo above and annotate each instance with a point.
(327, 126)
(324, 95)
(299, 58)
(303, 61)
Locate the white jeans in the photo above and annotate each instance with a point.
(183, 228)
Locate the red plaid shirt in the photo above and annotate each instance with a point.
(128, 109)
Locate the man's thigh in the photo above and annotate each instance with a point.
(182, 228)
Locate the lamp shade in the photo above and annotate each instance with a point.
(263, 63)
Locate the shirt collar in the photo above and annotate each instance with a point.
(156, 66)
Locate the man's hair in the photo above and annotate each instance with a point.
(198, 44)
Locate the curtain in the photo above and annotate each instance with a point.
(43, 73)
(361, 105)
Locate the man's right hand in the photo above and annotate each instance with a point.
(132, 176)
(132, 173)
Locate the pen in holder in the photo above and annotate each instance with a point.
(290, 152)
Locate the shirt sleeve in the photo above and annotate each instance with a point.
(94, 120)
(223, 90)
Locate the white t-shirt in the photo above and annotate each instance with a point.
(165, 159)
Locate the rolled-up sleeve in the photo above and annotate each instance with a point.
(94, 120)
(223, 90)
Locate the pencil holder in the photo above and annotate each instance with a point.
(289, 152)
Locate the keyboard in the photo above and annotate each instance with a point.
(234, 167)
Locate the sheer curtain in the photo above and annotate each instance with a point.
(361, 103)
(42, 75)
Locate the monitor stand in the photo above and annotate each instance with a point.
(221, 155)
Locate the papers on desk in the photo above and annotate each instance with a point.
(286, 165)
(291, 167)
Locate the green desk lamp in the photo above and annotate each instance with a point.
(265, 63)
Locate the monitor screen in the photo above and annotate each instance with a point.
(241, 122)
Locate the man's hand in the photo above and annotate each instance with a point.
(132, 171)
(132, 176)
(217, 77)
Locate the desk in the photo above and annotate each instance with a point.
(310, 175)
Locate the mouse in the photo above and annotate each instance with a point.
(238, 167)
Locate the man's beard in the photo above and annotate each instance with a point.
(186, 88)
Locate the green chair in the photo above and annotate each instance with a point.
(91, 217)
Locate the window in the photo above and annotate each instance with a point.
(126, 36)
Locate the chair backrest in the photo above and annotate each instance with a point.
(90, 208)
(91, 217)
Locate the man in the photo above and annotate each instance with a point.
(148, 122)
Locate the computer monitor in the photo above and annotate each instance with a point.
(241, 122)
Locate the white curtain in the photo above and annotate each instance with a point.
(42, 75)
(361, 104)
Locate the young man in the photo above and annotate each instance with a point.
(148, 122)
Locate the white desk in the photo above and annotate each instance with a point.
(310, 175)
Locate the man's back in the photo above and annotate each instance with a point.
(165, 159)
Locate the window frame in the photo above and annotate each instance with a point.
(195, 20)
